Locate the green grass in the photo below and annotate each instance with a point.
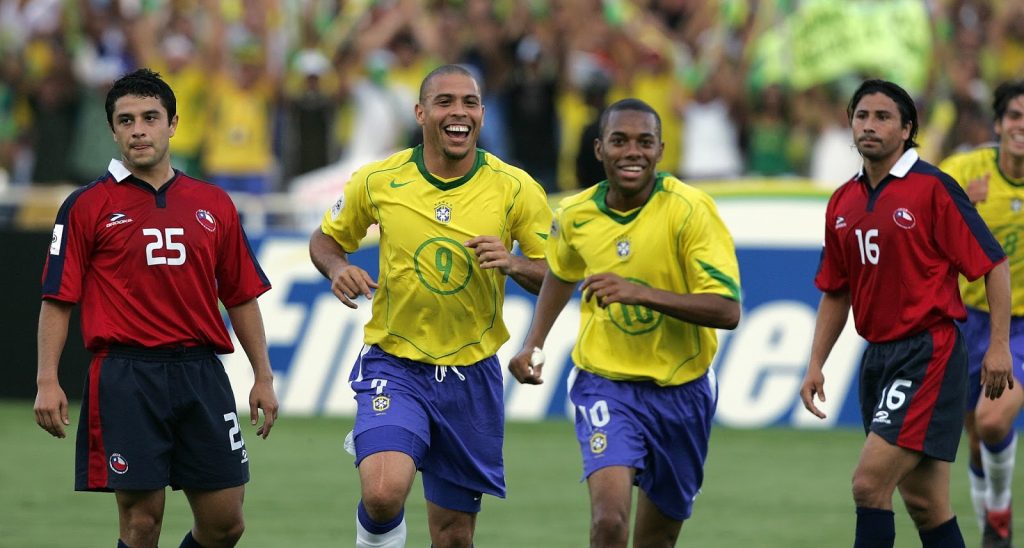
(773, 488)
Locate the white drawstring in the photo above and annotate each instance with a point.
(441, 370)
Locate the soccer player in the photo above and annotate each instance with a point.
(147, 251)
(659, 275)
(994, 180)
(428, 385)
(896, 236)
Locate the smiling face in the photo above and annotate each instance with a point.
(451, 115)
(1010, 129)
(878, 129)
(143, 133)
(630, 149)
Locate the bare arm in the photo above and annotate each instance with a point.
(554, 294)
(51, 407)
(997, 365)
(347, 280)
(248, 324)
(704, 309)
(833, 310)
(492, 253)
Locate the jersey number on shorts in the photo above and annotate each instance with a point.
(597, 415)
(892, 397)
(163, 249)
(868, 247)
(234, 433)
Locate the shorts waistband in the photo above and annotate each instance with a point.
(163, 353)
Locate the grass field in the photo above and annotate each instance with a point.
(769, 488)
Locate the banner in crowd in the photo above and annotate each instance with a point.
(314, 339)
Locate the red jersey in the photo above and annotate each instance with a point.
(899, 248)
(148, 266)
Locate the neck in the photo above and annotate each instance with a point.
(1011, 166)
(445, 167)
(618, 201)
(155, 176)
(876, 170)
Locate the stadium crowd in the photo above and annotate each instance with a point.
(273, 89)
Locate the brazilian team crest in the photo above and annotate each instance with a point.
(443, 212)
(381, 403)
(623, 247)
(598, 442)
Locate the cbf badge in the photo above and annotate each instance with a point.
(443, 212)
(598, 443)
(381, 403)
(622, 247)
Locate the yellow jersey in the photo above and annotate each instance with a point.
(434, 304)
(675, 242)
(1003, 212)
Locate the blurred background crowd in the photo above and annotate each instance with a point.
(286, 97)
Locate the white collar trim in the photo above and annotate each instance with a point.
(901, 167)
(117, 169)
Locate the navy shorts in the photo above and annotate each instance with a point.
(660, 431)
(976, 333)
(913, 391)
(153, 418)
(450, 420)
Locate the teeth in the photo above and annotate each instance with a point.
(457, 128)
(634, 169)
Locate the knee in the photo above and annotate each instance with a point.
(382, 505)
(223, 534)
(991, 428)
(142, 525)
(452, 537)
(869, 492)
(609, 528)
(920, 509)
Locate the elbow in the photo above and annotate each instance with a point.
(730, 318)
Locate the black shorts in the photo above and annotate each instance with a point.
(153, 418)
(913, 391)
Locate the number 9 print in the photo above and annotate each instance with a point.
(443, 265)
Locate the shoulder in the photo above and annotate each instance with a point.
(585, 196)
(395, 161)
(505, 170)
(981, 156)
(88, 195)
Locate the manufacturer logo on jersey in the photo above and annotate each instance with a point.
(381, 403)
(882, 417)
(117, 219)
(578, 224)
(206, 219)
(904, 218)
(55, 241)
(118, 463)
(337, 207)
(623, 247)
(840, 221)
(443, 212)
(598, 442)
(396, 184)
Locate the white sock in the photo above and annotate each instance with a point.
(999, 474)
(978, 489)
(394, 538)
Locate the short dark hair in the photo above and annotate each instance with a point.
(629, 104)
(1005, 93)
(905, 104)
(141, 83)
(444, 70)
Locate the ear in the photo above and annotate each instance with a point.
(597, 150)
(420, 114)
(174, 125)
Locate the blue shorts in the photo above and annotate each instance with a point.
(661, 431)
(976, 332)
(450, 420)
(153, 418)
(913, 391)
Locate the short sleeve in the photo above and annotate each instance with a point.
(349, 218)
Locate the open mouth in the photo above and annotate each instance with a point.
(457, 131)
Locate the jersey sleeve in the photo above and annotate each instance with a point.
(563, 260)
(239, 276)
(70, 248)
(961, 232)
(708, 253)
(349, 218)
(832, 275)
(531, 217)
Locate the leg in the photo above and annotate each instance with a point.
(140, 515)
(998, 449)
(881, 468)
(925, 492)
(218, 516)
(653, 529)
(611, 496)
(975, 471)
(450, 528)
(386, 479)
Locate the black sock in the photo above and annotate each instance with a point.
(876, 528)
(946, 535)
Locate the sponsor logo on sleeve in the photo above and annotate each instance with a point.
(55, 241)
(337, 207)
(117, 219)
